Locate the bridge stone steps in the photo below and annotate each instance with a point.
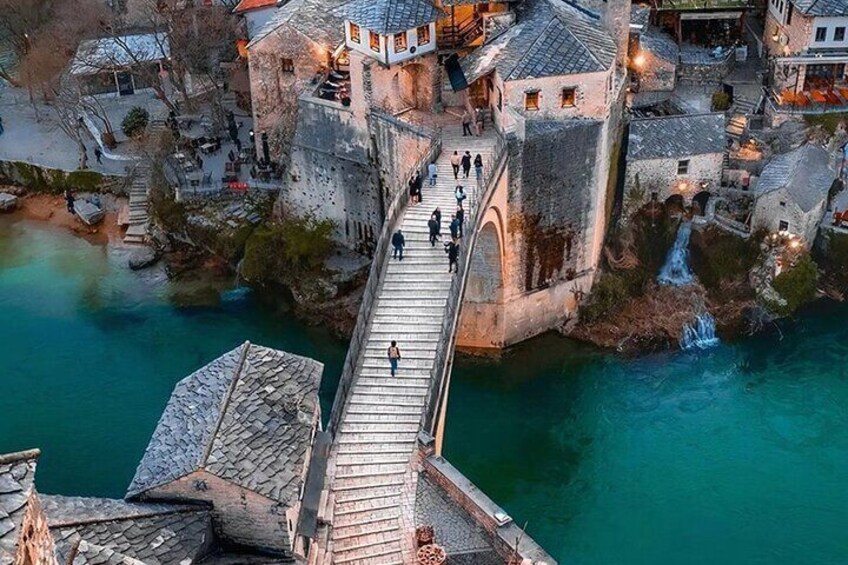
(397, 411)
(399, 381)
(367, 526)
(368, 555)
(375, 513)
(376, 439)
(369, 458)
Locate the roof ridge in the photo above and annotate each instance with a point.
(20, 456)
(152, 509)
(530, 47)
(225, 404)
(574, 35)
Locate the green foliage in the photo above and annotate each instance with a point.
(834, 260)
(170, 213)
(654, 235)
(828, 122)
(280, 253)
(797, 286)
(720, 101)
(135, 121)
(610, 292)
(722, 257)
(55, 181)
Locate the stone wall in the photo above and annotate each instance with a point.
(273, 91)
(592, 95)
(44, 179)
(768, 214)
(400, 147)
(35, 543)
(660, 176)
(241, 517)
(798, 34)
(712, 72)
(411, 84)
(492, 518)
(331, 173)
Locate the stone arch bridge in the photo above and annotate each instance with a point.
(385, 432)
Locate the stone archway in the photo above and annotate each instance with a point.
(485, 277)
(675, 202)
(701, 200)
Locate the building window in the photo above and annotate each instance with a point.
(569, 97)
(500, 100)
(683, 167)
(783, 226)
(374, 41)
(821, 33)
(839, 34)
(287, 65)
(400, 42)
(423, 35)
(353, 29)
(531, 100)
(789, 11)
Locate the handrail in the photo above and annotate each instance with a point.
(369, 297)
(447, 337)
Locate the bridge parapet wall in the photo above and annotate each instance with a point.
(506, 536)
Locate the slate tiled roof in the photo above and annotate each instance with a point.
(675, 137)
(91, 554)
(804, 172)
(822, 7)
(550, 38)
(245, 417)
(390, 16)
(316, 20)
(155, 534)
(660, 44)
(17, 484)
(639, 15)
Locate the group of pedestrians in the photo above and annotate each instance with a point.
(434, 224)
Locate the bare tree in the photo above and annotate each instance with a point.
(66, 108)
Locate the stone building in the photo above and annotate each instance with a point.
(547, 75)
(238, 434)
(675, 156)
(808, 47)
(24, 535)
(256, 14)
(229, 478)
(655, 64)
(791, 194)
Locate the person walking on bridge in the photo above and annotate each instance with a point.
(454, 228)
(394, 357)
(434, 230)
(432, 172)
(466, 164)
(455, 161)
(452, 249)
(478, 168)
(460, 195)
(398, 243)
(460, 218)
(466, 124)
(437, 215)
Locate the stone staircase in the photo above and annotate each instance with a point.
(139, 219)
(372, 464)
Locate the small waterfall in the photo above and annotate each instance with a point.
(238, 292)
(675, 271)
(700, 334)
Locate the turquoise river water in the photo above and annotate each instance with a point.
(734, 455)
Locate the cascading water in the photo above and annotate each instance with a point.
(239, 292)
(700, 334)
(675, 271)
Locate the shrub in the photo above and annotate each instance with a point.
(610, 292)
(828, 122)
(135, 121)
(281, 253)
(720, 257)
(721, 101)
(797, 286)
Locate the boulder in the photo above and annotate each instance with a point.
(7, 202)
(142, 258)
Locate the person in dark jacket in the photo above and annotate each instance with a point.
(454, 228)
(452, 249)
(414, 191)
(69, 201)
(419, 185)
(398, 242)
(434, 230)
(437, 213)
(460, 217)
(466, 164)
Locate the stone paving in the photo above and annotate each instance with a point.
(373, 466)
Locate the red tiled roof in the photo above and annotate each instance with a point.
(247, 5)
